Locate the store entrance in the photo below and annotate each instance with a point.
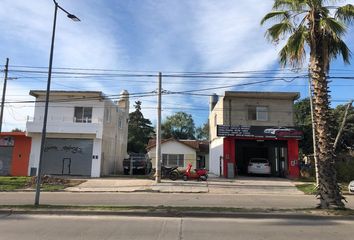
(274, 151)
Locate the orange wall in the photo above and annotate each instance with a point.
(20, 153)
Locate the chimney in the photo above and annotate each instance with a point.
(213, 100)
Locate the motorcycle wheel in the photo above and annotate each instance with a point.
(204, 177)
(185, 177)
(152, 174)
(173, 176)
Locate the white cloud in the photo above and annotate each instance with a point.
(176, 36)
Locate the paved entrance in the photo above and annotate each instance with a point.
(254, 185)
(242, 185)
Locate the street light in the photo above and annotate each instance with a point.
(44, 130)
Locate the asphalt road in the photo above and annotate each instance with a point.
(167, 199)
(51, 227)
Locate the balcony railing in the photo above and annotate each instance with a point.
(66, 125)
(64, 119)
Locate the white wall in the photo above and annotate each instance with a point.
(115, 136)
(109, 141)
(35, 151)
(64, 111)
(174, 147)
(216, 151)
(96, 163)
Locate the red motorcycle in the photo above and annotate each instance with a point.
(199, 174)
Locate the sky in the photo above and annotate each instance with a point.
(118, 39)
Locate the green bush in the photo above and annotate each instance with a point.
(345, 168)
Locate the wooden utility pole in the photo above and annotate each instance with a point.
(4, 93)
(342, 125)
(158, 131)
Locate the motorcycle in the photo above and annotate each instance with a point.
(199, 174)
(167, 172)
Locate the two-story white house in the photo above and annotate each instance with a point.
(246, 125)
(87, 133)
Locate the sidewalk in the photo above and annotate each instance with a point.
(125, 185)
(213, 185)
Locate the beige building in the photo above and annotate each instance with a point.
(252, 124)
(252, 109)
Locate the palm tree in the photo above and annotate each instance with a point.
(314, 26)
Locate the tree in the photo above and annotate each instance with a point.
(202, 132)
(16, 130)
(139, 130)
(179, 126)
(312, 24)
(302, 120)
(346, 139)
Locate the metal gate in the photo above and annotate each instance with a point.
(5, 160)
(67, 156)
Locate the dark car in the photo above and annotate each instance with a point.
(140, 163)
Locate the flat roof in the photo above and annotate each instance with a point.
(37, 93)
(263, 95)
(12, 134)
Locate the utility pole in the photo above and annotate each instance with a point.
(342, 125)
(158, 131)
(4, 92)
(313, 134)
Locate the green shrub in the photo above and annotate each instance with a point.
(345, 168)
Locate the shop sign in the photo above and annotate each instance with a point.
(258, 132)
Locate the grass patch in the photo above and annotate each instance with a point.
(18, 183)
(310, 188)
(175, 210)
(307, 188)
(13, 183)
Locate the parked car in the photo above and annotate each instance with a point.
(259, 166)
(140, 163)
(351, 187)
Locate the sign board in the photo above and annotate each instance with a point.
(7, 142)
(258, 132)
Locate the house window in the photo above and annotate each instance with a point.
(262, 113)
(173, 160)
(257, 113)
(83, 114)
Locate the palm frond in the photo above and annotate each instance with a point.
(330, 26)
(294, 50)
(279, 15)
(278, 30)
(283, 56)
(345, 13)
(289, 4)
(338, 47)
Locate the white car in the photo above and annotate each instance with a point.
(259, 166)
(278, 129)
(351, 187)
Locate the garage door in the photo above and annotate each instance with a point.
(68, 156)
(5, 160)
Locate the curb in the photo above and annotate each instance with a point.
(266, 214)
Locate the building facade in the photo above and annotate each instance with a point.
(15, 150)
(180, 152)
(86, 133)
(245, 125)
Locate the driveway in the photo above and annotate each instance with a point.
(253, 185)
(240, 185)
